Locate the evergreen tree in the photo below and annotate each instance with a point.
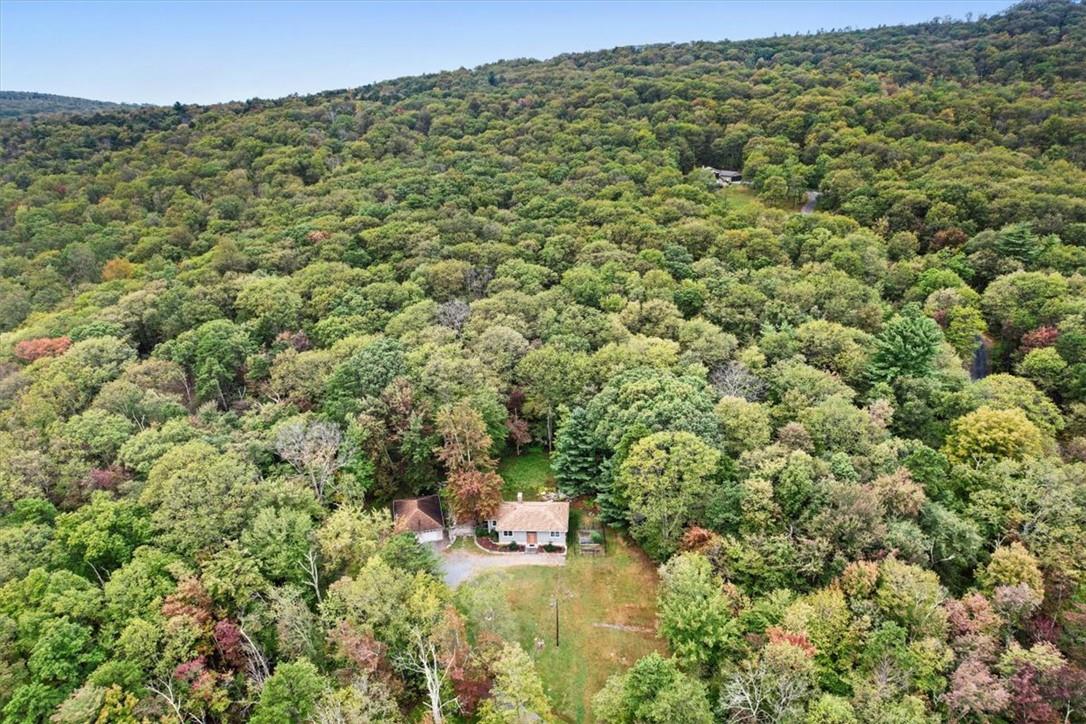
(1017, 241)
(575, 463)
(906, 347)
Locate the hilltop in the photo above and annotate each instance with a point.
(22, 104)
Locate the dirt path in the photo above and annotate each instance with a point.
(812, 200)
(624, 627)
(461, 565)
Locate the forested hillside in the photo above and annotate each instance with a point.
(23, 104)
(855, 440)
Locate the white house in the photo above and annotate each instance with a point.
(421, 516)
(531, 525)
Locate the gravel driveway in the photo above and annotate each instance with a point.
(460, 565)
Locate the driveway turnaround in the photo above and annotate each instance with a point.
(460, 564)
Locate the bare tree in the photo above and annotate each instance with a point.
(316, 450)
(162, 687)
(312, 571)
(423, 658)
(760, 693)
(736, 380)
(477, 278)
(256, 662)
(454, 314)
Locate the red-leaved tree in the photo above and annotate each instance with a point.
(476, 494)
(31, 349)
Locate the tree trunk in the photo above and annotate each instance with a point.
(433, 685)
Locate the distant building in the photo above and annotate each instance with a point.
(531, 525)
(421, 516)
(724, 177)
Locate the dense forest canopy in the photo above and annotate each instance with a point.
(854, 439)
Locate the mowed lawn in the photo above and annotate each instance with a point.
(739, 197)
(607, 620)
(743, 198)
(528, 473)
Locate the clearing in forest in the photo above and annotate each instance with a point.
(528, 473)
(606, 621)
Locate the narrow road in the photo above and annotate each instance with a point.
(812, 199)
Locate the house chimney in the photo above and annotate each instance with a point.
(520, 497)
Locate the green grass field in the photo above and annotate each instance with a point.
(743, 198)
(607, 621)
(740, 197)
(528, 473)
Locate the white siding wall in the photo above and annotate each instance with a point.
(543, 537)
(519, 537)
(431, 536)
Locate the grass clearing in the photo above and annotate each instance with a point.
(739, 197)
(617, 590)
(528, 473)
(466, 544)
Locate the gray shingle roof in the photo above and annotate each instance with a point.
(533, 516)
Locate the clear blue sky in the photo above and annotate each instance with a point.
(203, 52)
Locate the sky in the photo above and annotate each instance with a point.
(161, 51)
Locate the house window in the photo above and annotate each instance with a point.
(556, 534)
(507, 534)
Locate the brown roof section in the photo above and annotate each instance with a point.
(533, 516)
(418, 515)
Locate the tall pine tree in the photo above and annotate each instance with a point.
(576, 460)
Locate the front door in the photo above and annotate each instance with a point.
(531, 538)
